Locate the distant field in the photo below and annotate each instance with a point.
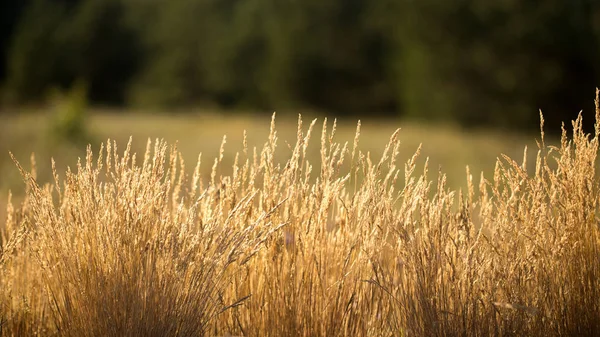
(448, 148)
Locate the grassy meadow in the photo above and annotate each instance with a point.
(449, 148)
(446, 147)
(297, 229)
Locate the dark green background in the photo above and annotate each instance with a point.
(474, 62)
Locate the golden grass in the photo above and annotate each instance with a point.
(352, 245)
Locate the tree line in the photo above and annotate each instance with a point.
(474, 62)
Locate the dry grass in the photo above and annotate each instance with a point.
(352, 246)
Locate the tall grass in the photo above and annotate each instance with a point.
(349, 246)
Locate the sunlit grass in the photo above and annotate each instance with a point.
(331, 239)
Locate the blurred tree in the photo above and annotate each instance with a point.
(267, 54)
(344, 66)
(10, 12)
(59, 42)
(34, 57)
(102, 49)
(481, 62)
(182, 33)
(467, 61)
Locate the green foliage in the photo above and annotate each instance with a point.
(9, 16)
(34, 59)
(469, 61)
(103, 49)
(498, 62)
(69, 114)
(55, 44)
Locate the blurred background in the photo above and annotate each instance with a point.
(464, 77)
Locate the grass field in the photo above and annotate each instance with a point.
(448, 148)
(344, 237)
